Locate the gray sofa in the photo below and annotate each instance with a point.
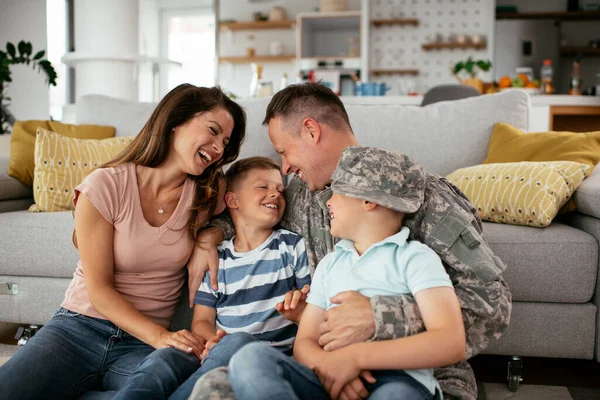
(552, 272)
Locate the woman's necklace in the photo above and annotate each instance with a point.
(161, 210)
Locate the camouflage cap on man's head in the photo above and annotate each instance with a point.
(384, 177)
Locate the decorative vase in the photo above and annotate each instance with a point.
(333, 5)
(474, 82)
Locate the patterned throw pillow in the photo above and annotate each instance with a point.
(61, 163)
(522, 193)
(22, 143)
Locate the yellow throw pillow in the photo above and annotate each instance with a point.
(524, 193)
(61, 163)
(509, 144)
(22, 143)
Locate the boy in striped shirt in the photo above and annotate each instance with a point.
(258, 268)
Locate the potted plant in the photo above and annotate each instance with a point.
(471, 68)
(21, 54)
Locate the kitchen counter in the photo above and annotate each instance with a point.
(536, 100)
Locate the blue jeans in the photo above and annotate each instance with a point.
(162, 372)
(260, 372)
(70, 355)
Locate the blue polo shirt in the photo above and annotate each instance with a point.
(391, 267)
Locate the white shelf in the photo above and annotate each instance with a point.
(73, 58)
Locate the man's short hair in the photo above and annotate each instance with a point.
(238, 170)
(311, 99)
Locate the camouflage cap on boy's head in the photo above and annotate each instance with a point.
(384, 177)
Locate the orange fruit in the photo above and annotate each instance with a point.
(531, 85)
(505, 82)
(525, 78)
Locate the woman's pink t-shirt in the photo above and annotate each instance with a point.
(149, 262)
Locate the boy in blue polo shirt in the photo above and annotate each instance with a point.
(375, 257)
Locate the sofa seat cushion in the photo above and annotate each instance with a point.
(37, 244)
(556, 264)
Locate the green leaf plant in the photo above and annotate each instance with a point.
(20, 54)
(471, 67)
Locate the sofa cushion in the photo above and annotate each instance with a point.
(10, 188)
(37, 244)
(511, 144)
(22, 143)
(15, 205)
(521, 193)
(556, 264)
(587, 197)
(442, 137)
(61, 163)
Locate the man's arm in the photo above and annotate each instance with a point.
(443, 343)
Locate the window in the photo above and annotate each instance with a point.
(56, 17)
(188, 37)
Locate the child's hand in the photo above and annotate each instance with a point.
(355, 389)
(293, 304)
(336, 369)
(212, 342)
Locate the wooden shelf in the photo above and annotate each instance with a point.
(560, 15)
(256, 25)
(573, 51)
(258, 59)
(440, 46)
(378, 72)
(395, 21)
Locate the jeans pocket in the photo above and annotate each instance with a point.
(65, 313)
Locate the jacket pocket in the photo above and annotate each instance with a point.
(462, 246)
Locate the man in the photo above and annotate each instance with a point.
(309, 127)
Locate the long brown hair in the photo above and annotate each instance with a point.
(151, 146)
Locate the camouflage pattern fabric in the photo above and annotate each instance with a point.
(213, 385)
(448, 223)
(396, 182)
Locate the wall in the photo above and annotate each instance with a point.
(545, 37)
(26, 20)
(236, 77)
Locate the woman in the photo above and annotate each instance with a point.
(136, 220)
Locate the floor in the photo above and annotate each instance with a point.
(543, 378)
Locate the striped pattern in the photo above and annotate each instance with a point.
(252, 283)
(523, 193)
(61, 163)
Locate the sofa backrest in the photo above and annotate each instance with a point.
(442, 137)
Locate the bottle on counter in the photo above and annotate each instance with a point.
(256, 77)
(284, 81)
(575, 86)
(598, 83)
(546, 76)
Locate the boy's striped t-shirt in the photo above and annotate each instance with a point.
(252, 283)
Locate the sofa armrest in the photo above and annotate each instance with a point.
(10, 188)
(587, 196)
(590, 225)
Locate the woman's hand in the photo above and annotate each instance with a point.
(204, 258)
(337, 369)
(212, 342)
(293, 304)
(183, 340)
